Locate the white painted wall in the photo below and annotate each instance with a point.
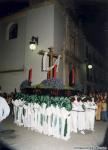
(59, 29)
(40, 22)
(59, 36)
(12, 54)
(46, 22)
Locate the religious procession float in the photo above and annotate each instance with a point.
(45, 108)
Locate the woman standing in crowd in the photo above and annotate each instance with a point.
(104, 110)
(98, 110)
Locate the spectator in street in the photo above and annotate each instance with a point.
(4, 109)
(98, 110)
(106, 97)
(104, 110)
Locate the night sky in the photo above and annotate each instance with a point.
(94, 16)
(8, 7)
(92, 13)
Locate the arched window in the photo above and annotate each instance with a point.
(12, 31)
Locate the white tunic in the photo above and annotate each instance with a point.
(81, 117)
(92, 115)
(74, 115)
(87, 115)
(4, 109)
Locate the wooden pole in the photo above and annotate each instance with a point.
(51, 61)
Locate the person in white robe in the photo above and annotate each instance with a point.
(66, 124)
(44, 118)
(74, 114)
(18, 111)
(87, 112)
(4, 109)
(49, 114)
(25, 115)
(81, 116)
(92, 113)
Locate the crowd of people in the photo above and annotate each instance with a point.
(83, 114)
(101, 100)
(80, 118)
(86, 109)
(102, 106)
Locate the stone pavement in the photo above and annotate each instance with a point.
(20, 138)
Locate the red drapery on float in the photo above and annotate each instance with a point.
(54, 71)
(30, 75)
(48, 74)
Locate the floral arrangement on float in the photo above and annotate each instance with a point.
(51, 83)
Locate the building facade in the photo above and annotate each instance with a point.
(55, 28)
(97, 76)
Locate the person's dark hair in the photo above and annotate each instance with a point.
(5, 95)
(79, 99)
(72, 98)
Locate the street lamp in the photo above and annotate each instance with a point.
(33, 43)
(90, 66)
